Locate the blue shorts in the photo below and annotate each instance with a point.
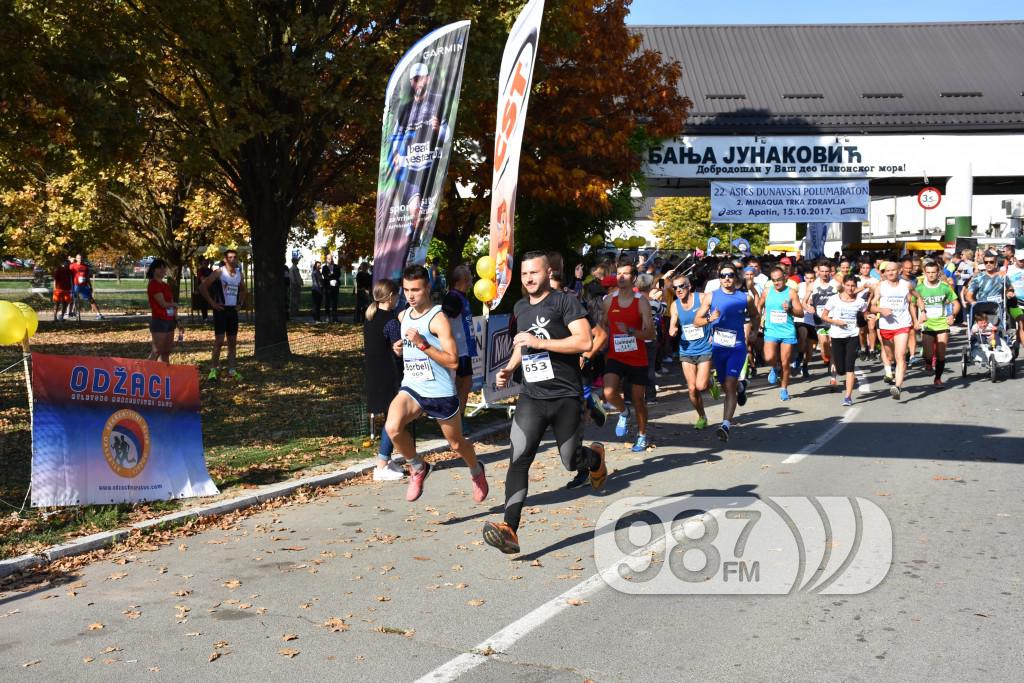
(728, 362)
(442, 408)
(781, 340)
(83, 292)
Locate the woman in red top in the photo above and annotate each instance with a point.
(165, 311)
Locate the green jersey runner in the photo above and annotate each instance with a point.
(935, 301)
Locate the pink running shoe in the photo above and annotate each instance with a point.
(416, 479)
(480, 487)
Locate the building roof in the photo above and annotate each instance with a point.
(850, 78)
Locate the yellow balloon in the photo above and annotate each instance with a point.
(12, 324)
(597, 241)
(485, 267)
(485, 290)
(29, 314)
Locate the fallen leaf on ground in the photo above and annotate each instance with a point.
(87, 660)
(383, 598)
(421, 559)
(232, 584)
(132, 614)
(296, 548)
(475, 602)
(214, 656)
(336, 624)
(536, 563)
(576, 602)
(31, 663)
(117, 576)
(95, 627)
(289, 636)
(288, 652)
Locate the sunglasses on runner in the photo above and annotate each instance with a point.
(727, 274)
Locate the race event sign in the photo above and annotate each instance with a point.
(420, 105)
(115, 430)
(499, 351)
(789, 202)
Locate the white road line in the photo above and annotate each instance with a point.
(504, 639)
(829, 434)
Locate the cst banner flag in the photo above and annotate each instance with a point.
(420, 105)
(514, 84)
(790, 202)
(115, 430)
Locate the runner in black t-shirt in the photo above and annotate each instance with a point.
(551, 333)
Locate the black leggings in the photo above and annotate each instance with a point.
(844, 353)
(533, 417)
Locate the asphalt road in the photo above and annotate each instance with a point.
(359, 583)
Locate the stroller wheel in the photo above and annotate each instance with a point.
(1013, 369)
(963, 365)
(993, 370)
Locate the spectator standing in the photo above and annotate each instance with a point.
(201, 304)
(364, 281)
(317, 289)
(224, 289)
(383, 369)
(332, 279)
(61, 289)
(295, 288)
(164, 310)
(456, 306)
(81, 283)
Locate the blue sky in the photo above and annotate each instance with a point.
(818, 12)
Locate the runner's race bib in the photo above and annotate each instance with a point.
(334, 283)
(230, 290)
(693, 333)
(537, 367)
(81, 279)
(725, 337)
(777, 317)
(419, 370)
(896, 304)
(624, 343)
(935, 311)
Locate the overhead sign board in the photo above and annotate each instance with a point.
(789, 202)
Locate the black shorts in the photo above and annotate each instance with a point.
(159, 326)
(443, 408)
(465, 368)
(844, 353)
(634, 374)
(225, 321)
(861, 320)
(811, 332)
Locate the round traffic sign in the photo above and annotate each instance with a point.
(929, 198)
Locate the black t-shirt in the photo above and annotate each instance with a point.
(550, 319)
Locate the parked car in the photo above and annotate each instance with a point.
(14, 263)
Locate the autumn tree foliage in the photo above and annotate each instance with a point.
(685, 223)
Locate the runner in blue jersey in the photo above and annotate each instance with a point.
(694, 344)
(777, 305)
(726, 309)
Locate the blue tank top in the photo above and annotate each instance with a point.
(729, 327)
(774, 325)
(422, 374)
(694, 346)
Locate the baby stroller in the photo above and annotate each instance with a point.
(996, 347)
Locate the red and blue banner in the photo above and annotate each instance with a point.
(115, 430)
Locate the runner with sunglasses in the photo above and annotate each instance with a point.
(694, 344)
(726, 310)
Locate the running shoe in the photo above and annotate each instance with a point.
(716, 389)
(622, 426)
(581, 478)
(641, 444)
(701, 423)
(386, 473)
(100, 316)
(723, 433)
(480, 487)
(847, 401)
(938, 382)
(773, 377)
(597, 412)
(833, 383)
(235, 375)
(416, 479)
(502, 537)
(212, 377)
(784, 394)
(889, 379)
(805, 373)
(914, 360)
(741, 396)
(600, 475)
(862, 355)
(894, 391)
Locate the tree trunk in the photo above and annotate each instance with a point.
(269, 228)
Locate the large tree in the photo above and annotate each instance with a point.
(685, 223)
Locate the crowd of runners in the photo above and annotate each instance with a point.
(598, 344)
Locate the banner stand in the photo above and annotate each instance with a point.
(26, 358)
(475, 409)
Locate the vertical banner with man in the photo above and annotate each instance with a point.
(514, 84)
(420, 105)
(115, 430)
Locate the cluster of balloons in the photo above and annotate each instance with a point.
(634, 242)
(17, 321)
(485, 290)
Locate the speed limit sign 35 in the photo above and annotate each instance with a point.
(929, 198)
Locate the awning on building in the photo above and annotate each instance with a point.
(923, 246)
(782, 247)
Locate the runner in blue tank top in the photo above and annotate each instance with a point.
(726, 310)
(778, 304)
(430, 356)
(694, 344)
